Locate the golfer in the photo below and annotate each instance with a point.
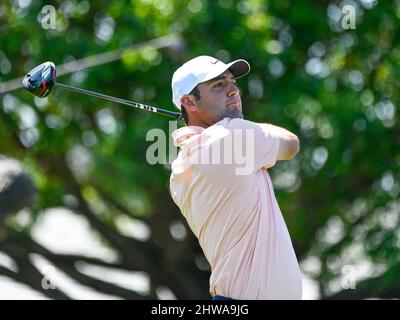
(221, 184)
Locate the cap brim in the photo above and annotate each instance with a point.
(239, 68)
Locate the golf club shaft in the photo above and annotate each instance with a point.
(176, 115)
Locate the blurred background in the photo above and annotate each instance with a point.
(84, 215)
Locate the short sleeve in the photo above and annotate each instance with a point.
(260, 144)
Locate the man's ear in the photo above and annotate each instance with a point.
(189, 103)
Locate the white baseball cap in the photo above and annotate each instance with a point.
(202, 69)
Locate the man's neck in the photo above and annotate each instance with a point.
(197, 123)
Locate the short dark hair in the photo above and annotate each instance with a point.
(184, 115)
(196, 93)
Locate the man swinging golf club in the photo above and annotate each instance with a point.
(234, 214)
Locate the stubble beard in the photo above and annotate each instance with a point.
(232, 113)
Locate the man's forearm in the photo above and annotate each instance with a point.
(289, 143)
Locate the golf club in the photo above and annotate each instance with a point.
(40, 81)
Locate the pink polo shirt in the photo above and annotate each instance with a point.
(225, 193)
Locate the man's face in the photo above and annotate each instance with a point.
(220, 98)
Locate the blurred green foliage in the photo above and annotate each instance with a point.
(336, 89)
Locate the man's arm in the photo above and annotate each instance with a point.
(289, 143)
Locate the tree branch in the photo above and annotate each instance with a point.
(66, 265)
(385, 286)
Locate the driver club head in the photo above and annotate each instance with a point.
(40, 80)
